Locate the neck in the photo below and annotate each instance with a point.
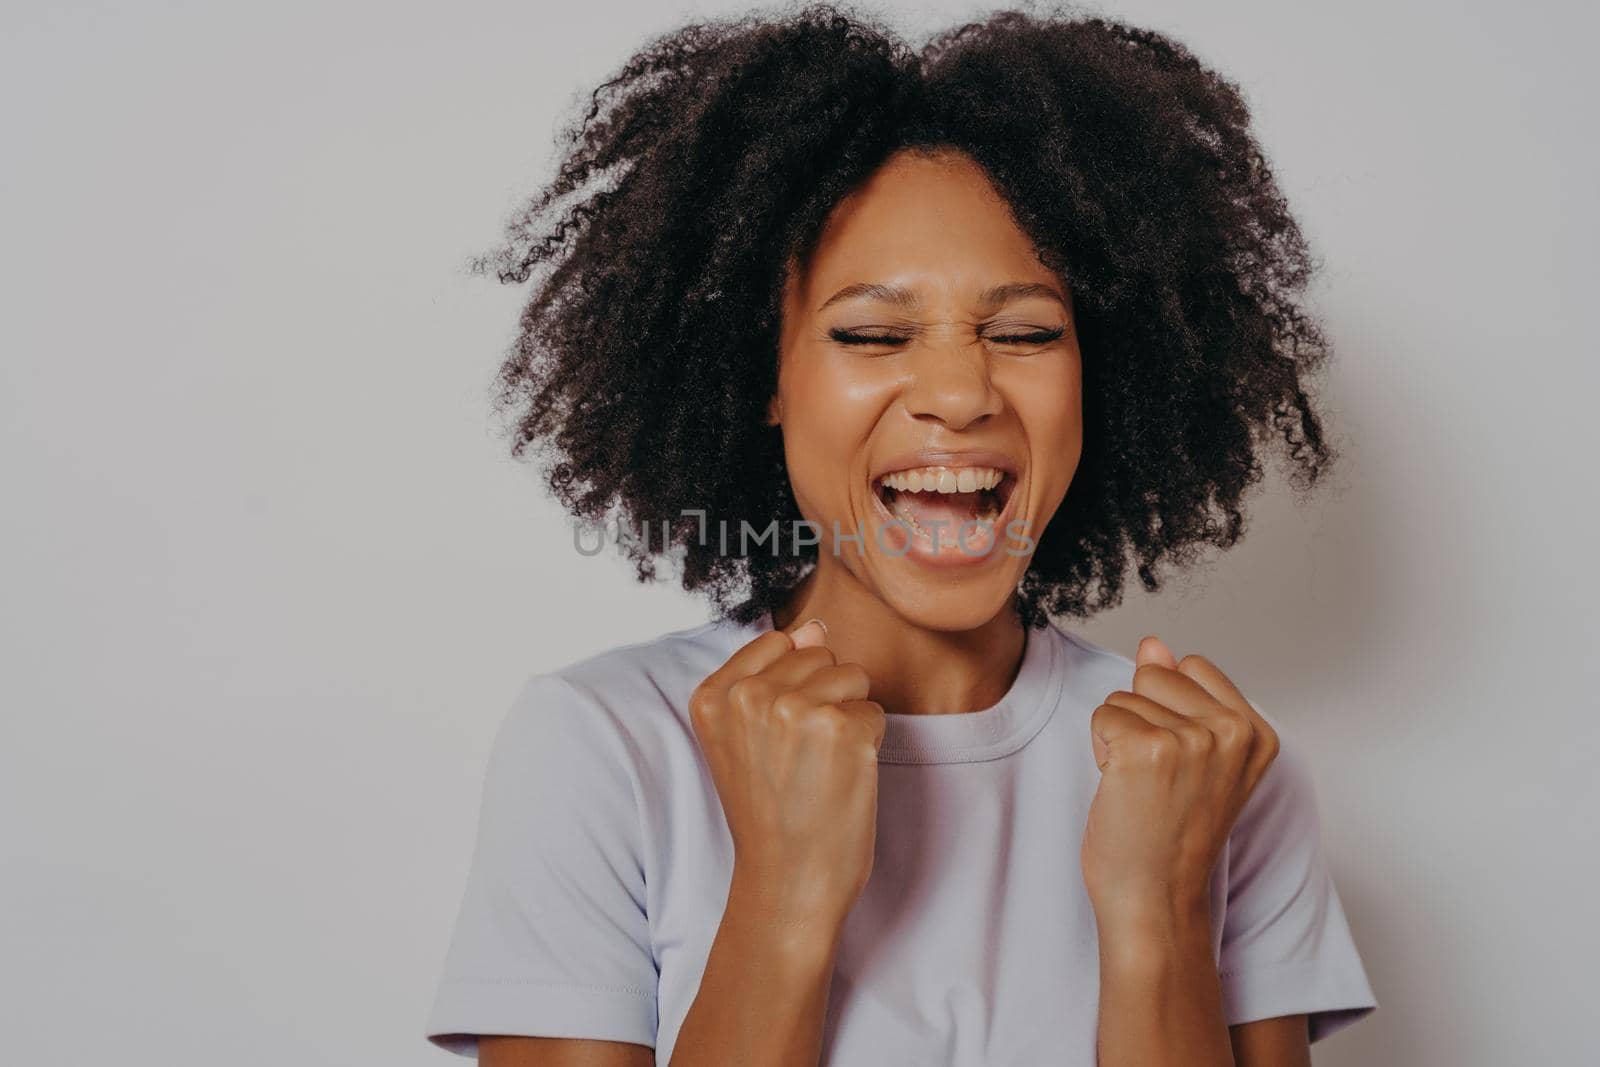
(914, 670)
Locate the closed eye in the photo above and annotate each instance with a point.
(1039, 337)
(850, 337)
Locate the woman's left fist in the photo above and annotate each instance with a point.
(1179, 755)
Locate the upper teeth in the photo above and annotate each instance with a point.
(943, 479)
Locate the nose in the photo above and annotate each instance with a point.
(950, 384)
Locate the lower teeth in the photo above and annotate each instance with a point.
(987, 511)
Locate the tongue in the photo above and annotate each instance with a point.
(923, 509)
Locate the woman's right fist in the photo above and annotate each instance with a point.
(791, 741)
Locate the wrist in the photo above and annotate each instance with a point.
(795, 930)
(1140, 929)
(1150, 900)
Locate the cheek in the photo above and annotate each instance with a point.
(829, 414)
(1049, 405)
(834, 402)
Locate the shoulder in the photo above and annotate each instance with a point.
(586, 743)
(638, 686)
(662, 663)
(1091, 670)
(1090, 654)
(617, 704)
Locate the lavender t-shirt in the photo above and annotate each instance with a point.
(602, 864)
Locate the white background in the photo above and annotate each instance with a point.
(269, 582)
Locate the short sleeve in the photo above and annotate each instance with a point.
(1286, 945)
(552, 938)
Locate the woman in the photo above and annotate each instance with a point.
(903, 352)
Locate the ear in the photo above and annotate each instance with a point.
(774, 411)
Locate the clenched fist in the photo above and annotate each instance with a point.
(791, 741)
(1179, 755)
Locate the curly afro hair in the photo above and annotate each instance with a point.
(648, 349)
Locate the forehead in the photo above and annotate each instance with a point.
(923, 221)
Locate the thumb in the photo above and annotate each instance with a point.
(1154, 650)
(812, 632)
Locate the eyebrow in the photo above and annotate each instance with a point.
(992, 297)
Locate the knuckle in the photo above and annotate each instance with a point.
(866, 747)
(786, 713)
(829, 722)
(871, 719)
(703, 703)
(750, 692)
(1197, 740)
(1269, 742)
(874, 715)
(1162, 749)
(1234, 731)
(788, 706)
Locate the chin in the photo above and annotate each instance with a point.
(949, 604)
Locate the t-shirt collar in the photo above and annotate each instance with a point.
(974, 736)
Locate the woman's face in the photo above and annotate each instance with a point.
(926, 349)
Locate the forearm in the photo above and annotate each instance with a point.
(1160, 995)
(764, 992)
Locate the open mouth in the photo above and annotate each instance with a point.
(941, 499)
